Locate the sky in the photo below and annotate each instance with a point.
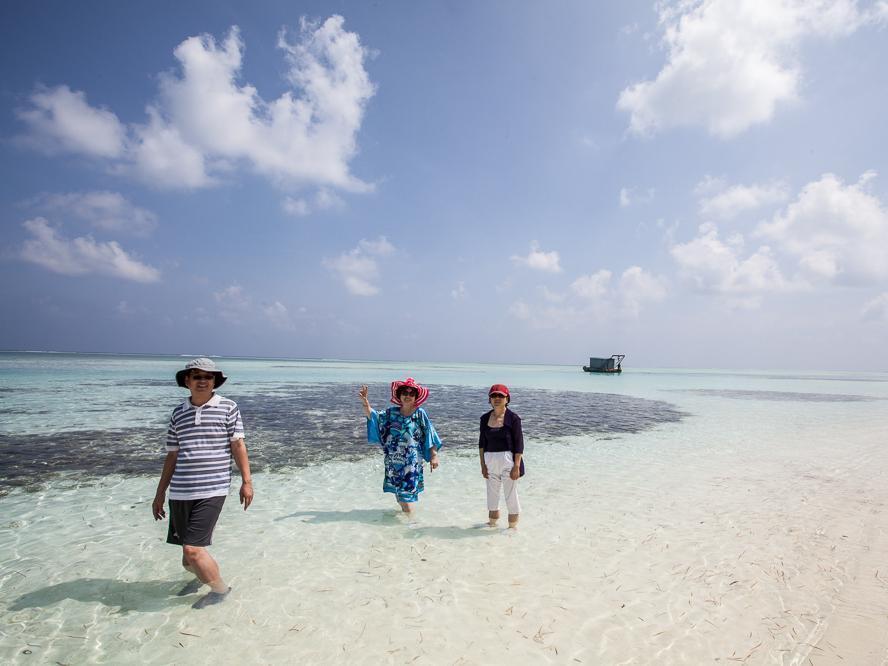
(692, 183)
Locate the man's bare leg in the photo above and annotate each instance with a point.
(513, 521)
(492, 517)
(191, 586)
(207, 571)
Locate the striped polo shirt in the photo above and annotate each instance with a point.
(202, 436)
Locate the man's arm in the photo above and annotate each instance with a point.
(169, 465)
(239, 453)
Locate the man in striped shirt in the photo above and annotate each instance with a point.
(205, 433)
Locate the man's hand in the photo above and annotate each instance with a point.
(246, 494)
(484, 470)
(157, 506)
(515, 474)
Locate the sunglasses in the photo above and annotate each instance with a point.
(409, 393)
(202, 378)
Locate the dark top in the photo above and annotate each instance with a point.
(507, 438)
(496, 439)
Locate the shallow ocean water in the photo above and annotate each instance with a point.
(746, 520)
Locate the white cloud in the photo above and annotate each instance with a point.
(552, 296)
(205, 122)
(876, 309)
(520, 310)
(592, 287)
(307, 138)
(710, 185)
(160, 156)
(234, 298)
(625, 198)
(236, 306)
(713, 265)
(831, 233)
(296, 207)
(357, 273)
(837, 232)
(637, 288)
(589, 142)
(61, 120)
(591, 297)
(81, 256)
(380, 246)
(277, 314)
(323, 199)
(503, 286)
(554, 317)
(358, 268)
(564, 317)
(629, 197)
(735, 200)
(731, 63)
(539, 260)
(326, 200)
(124, 310)
(109, 211)
(459, 293)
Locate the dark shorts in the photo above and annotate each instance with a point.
(192, 521)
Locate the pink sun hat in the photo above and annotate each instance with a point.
(422, 393)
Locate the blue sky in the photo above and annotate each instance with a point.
(694, 183)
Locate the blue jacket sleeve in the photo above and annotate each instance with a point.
(430, 436)
(375, 423)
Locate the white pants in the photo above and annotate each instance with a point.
(499, 466)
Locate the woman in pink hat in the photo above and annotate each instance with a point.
(407, 437)
(501, 444)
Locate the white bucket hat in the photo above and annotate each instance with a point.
(202, 363)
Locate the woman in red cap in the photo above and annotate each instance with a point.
(407, 437)
(501, 444)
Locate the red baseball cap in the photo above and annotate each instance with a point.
(499, 388)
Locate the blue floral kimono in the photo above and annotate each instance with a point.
(406, 441)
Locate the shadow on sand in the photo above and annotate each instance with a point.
(148, 596)
(388, 518)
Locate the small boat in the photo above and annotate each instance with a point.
(608, 366)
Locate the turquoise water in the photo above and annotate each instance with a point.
(44, 393)
(739, 508)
